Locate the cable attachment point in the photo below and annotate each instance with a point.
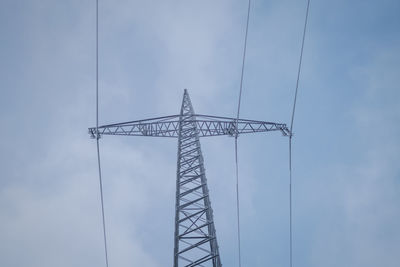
(232, 129)
(94, 134)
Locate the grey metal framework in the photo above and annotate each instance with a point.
(195, 242)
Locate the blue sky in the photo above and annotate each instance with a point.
(345, 150)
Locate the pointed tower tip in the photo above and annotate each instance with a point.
(185, 91)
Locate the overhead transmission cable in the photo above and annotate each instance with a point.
(291, 134)
(237, 133)
(98, 135)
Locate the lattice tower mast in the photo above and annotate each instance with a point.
(195, 236)
(195, 240)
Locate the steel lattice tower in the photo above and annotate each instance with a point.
(195, 242)
(195, 236)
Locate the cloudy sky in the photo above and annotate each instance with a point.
(345, 150)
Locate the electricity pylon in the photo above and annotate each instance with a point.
(195, 236)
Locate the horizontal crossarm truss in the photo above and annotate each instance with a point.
(206, 126)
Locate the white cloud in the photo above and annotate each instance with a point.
(149, 52)
(363, 215)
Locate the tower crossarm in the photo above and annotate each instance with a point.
(206, 125)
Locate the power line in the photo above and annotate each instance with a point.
(299, 68)
(237, 134)
(243, 59)
(98, 136)
(237, 200)
(291, 135)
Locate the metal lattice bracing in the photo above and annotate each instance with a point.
(195, 236)
(206, 125)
